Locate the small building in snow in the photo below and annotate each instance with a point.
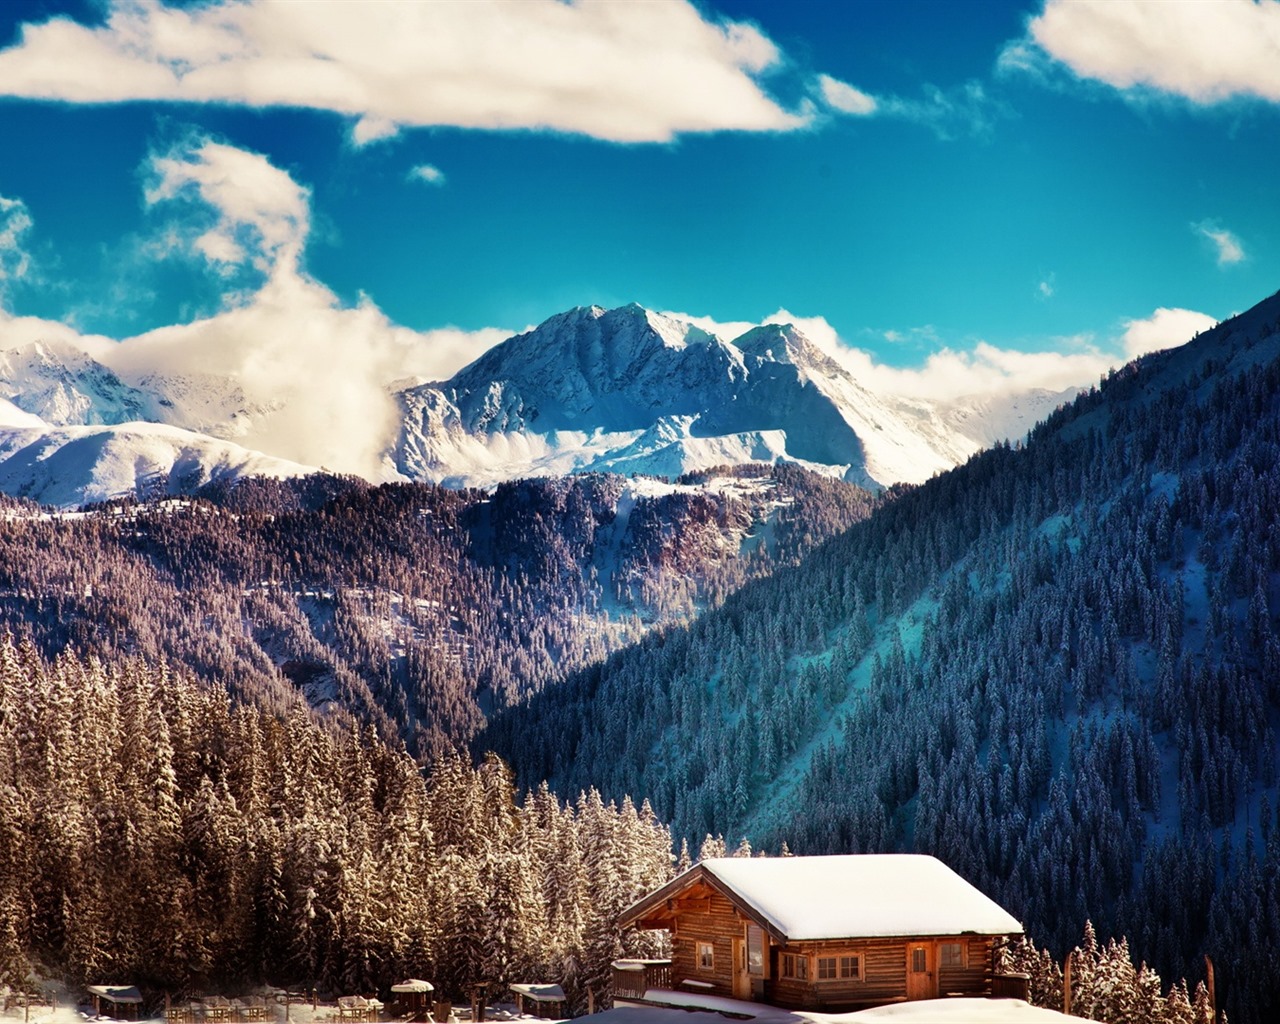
(826, 933)
(122, 1002)
(540, 1000)
(411, 998)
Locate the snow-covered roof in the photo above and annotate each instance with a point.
(413, 985)
(540, 993)
(850, 896)
(116, 993)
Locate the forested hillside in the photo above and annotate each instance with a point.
(153, 829)
(415, 608)
(1057, 668)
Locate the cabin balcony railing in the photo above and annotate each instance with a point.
(633, 978)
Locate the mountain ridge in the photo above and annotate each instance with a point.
(596, 390)
(588, 390)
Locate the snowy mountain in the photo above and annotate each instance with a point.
(57, 382)
(633, 391)
(71, 465)
(625, 390)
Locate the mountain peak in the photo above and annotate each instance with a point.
(780, 343)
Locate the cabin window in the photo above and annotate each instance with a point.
(826, 968)
(851, 968)
(706, 956)
(919, 960)
(755, 950)
(953, 954)
(796, 967)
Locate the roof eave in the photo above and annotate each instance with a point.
(688, 879)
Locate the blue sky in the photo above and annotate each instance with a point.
(989, 181)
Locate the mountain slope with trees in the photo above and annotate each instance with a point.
(412, 607)
(1056, 667)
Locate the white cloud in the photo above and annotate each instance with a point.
(428, 173)
(962, 110)
(313, 373)
(262, 216)
(965, 109)
(15, 222)
(844, 97)
(1206, 52)
(1226, 245)
(1045, 288)
(626, 72)
(1165, 328)
(373, 129)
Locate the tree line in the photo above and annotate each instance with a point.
(156, 830)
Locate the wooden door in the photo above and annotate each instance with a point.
(741, 979)
(922, 970)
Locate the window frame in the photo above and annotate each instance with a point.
(704, 955)
(919, 960)
(844, 966)
(755, 951)
(795, 966)
(962, 955)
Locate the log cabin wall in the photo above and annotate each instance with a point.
(973, 978)
(883, 973)
(712, 919)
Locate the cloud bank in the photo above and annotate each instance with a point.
(985, 370)
(311, 374)
(623, 72)
(1205, 52)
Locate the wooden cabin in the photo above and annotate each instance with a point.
(540, 1000)
(826, 933)
(121, 1002)
(411, 999)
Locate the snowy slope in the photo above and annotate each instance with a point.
(204, 402)
(12, 416)
(67, 466)
(54, 380)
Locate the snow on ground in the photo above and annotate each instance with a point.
(920, 1011)
(715, 1010)
(960, 1011)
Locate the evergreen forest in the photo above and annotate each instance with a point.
(154, 829)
